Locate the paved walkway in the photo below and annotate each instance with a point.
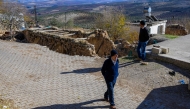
(35, 77)
(179, 50)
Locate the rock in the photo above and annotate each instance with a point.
(156, 50)
(124, 48)
(101, 41)
(126, 44)
(165, 50)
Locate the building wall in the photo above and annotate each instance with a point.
(158, 28)
(153, 29)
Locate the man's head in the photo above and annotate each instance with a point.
(142, 24)
(114, 55)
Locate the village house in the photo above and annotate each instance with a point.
(155, 25)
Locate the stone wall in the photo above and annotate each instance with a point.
(65, 45)
(176, 30)
(72, 42)
(99, 38)
(101, 41)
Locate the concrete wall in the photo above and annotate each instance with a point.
(153, 29)
(177, 62)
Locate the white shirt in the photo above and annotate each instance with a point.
(143, 27)
(114, 62)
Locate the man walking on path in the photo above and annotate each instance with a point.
(143, 40)
(110, 72)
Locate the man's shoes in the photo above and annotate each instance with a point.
(172, 73)
(138, 59)
(112, 107)
(105, 99)
(144, 63)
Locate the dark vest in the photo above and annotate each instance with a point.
(144, 35)
(109, 70)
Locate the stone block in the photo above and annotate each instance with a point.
(165, 50)
(156, 50)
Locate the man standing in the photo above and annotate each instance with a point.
(143, 40)
(110, 72)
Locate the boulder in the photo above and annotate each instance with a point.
(103, 44)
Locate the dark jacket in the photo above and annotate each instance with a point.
(109, 70)
(144, 35)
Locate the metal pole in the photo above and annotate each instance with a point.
(35, 15)
(65, 20)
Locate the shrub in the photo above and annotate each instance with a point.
(7, 104)
(113, 21)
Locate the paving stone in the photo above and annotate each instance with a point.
(34, 76)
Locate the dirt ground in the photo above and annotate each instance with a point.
(153, 82)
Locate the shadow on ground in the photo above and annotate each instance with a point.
(93, 70)
(174, 68)
(172, 97)
(127, 63)
(81, 71)
(74, 106)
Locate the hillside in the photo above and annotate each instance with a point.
(79, 2)
(133, 10)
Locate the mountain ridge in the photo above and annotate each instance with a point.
(79, 2)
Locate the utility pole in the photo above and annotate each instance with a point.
(65, 20)
(35, 15)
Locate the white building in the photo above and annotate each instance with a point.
(156, 26)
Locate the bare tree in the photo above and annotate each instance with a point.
(12, 16)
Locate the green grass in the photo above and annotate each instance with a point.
(171, 36)
(125, 59)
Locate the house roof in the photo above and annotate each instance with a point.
(150, 21)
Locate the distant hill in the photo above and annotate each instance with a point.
(133, 9)
(160, 9)
(79, 2)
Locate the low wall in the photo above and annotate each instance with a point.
(177, 62)
(65, 45)
(72, 42)
(176, 30)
